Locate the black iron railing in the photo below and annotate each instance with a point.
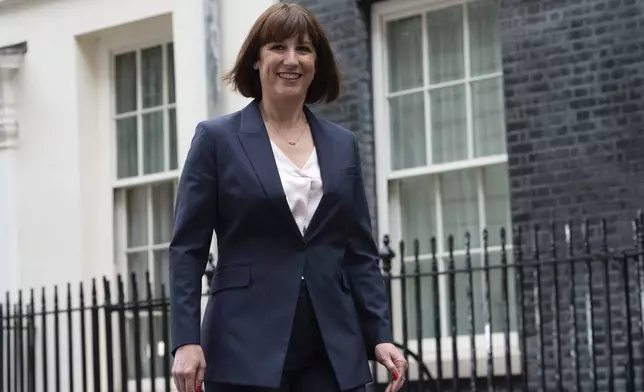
(562, 311)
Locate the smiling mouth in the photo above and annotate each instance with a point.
(289, 75)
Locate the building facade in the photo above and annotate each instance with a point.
(497, 114)
(99, 101)
(470, 115)
(98, 104)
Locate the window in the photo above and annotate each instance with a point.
(146, 139)
(146, 175)
(440, 140)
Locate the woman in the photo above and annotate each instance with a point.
(297, 301)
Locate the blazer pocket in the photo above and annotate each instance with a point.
(230, 277)
(350, 171)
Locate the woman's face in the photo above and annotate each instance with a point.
(286, 69)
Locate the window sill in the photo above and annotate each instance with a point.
(146, 179)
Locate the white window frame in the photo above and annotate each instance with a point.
(388, 207)
(120, 186)
(144, 178)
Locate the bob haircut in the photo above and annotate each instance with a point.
(278, 23)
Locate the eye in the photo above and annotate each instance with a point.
(277, 47)
(304, 48)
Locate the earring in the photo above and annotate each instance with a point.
(255, 66)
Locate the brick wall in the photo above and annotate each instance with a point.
(574, 79)
(347, 27)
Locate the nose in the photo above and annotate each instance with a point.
(290, 57)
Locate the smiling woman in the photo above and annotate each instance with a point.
(280, 23)
(298, 301)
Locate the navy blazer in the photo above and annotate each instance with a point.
(230, 183)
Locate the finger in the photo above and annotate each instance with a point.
(190, 380)
(395, 375)
(176, 381)
(389, 365)
(177, 373)
(400, 367)
(398, 384)
(201, 371)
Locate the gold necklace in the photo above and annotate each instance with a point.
(286, 140)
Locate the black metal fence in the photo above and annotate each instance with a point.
(555, 310)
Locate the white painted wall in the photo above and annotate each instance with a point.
(236, 22)
(7, 219)
(62, 205)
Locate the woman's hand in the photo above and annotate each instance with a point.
(390, 357)
(188, 368)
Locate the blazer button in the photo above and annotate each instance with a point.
(301, 245)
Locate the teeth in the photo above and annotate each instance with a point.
(289, 75)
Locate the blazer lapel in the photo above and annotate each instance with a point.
(324, 145)
(257, 145)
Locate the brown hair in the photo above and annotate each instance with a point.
(278, 23)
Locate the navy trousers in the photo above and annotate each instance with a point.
(307, 367)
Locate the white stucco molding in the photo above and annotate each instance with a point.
(11, 58)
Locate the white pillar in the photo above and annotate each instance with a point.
(10, 62)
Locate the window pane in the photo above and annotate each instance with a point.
(137, 263)
(152, 76)
(496, 294)
(427, 302)
(153, 142)
(460, 207)
(497, 203)
(445, 35)
(449, 124)
(137, 217)
(485, 40)
(146, 351)
(170, 75)
(162, 209)
(126, 147)
(173, 138)
(418, 213)
(461, 280)
(487, 108)
(479, 300)
(161, 272)
(125, 82)
(405, 49)
(407, 131)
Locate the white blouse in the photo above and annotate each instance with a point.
(302, 187)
